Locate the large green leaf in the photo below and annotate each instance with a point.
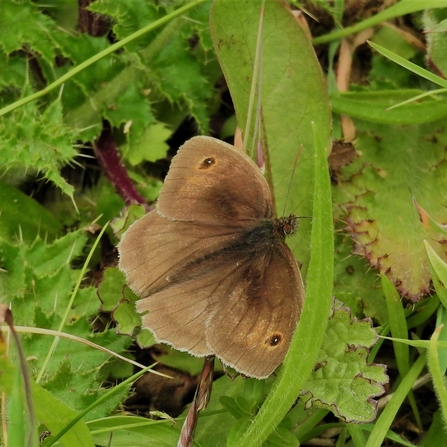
(397, 164)
(292, 96)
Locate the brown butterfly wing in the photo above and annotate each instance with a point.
(206, 290)
(154, 252)
(212, 182)
(258, 314)
(155, 249)
(241, 305)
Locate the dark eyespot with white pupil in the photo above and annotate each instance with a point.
(207, 163)
(274, 340)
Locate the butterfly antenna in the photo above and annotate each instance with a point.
(291, 179)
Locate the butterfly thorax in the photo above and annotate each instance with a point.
(286, 225)
(269, 232)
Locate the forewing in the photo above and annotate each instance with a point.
(157, 255)
(252, 325)
(212, 182)
(155, 249)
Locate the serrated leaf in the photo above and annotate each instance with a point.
(133, 107)
(14, 72)
(342, 380)
(397, 164)
(37, 142)
(78, 389)
(120, 300)
(21, 24)
(182, 80)
(25, 264)
(174, 72)
(355, 284)
(38, 280)
(23, 217)
(126, 315)
(46, 259)
(151, 145)
(111, 288)
(128, 17)
(145, 338)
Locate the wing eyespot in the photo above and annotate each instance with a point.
(207, 163)
(274, 340)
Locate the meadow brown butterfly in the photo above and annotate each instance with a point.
(210, 264)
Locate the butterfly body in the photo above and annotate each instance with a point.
(211, 265)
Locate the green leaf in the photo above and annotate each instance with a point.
(355, 284)
(125, 314)
(111, 288)
(18, 429)
(145, 338)
(215, 423)
(38, 143)
(120, 300)
(342, 380)
(151, 146)
(385, 420)
(127, 218)
(398, 324)
(23, 217)
(398, 9)
(394, 41)
(80, 388)
(49, 411)
(21, 24)
(396, 165)
(436, 434)
(139, 431)
(131, 106)
(410, 65)
(441, 319)
(128, 17)
(292, 96)
(373, 106)
(38, 281)
(436, 374)
(97, 57)
(14, 73)
(27, 266)
(439, 273)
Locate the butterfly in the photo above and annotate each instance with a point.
(211, 265)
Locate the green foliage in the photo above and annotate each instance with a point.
(38, 280)
(383, 234)
(34, 141)
(344, 354)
